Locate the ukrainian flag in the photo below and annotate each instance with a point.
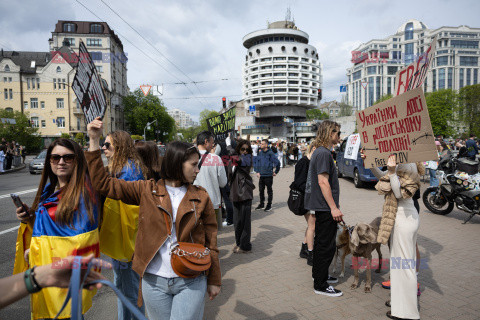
(50, 243)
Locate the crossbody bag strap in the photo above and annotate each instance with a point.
(201, 160)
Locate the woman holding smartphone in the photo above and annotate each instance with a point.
(172, 210)
(64, 221)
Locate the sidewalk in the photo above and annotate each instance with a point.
(272, 282)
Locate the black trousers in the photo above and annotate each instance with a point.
(268, 182)
(324, 247)
(242, 218)
(225, 192)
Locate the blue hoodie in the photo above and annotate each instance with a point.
(265, 161)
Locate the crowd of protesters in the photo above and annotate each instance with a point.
(8, 150)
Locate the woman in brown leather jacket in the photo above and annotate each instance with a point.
(189, 213)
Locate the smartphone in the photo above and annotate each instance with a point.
(17, 201)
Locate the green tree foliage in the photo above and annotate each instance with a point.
(316, 114)
(65, 136)
(345, 110)
(204, 115)
(469, 108)
(385, 97)
(80, 138)
(22, 132)
(140, 110)
(441, 106)
(189, 134)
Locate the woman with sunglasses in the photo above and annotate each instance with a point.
(62, 221)
(119, 221)
(241, 194)
(172, 210)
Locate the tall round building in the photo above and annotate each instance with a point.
(282, 74)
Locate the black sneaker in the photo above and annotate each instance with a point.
(304, 251)
(329, 291)
(260, 206)
(310, 259)
(331, 280)
(268, 208)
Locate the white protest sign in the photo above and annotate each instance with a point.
(400, 126)
(413, 76)
(352, 146)
(88, 88)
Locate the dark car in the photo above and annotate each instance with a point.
(353, 168)
(37, 164)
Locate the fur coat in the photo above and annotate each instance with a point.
(409, 183)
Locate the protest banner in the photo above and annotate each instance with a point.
(351, 149)
(413, 76)
(400, 126)
(88, 87)
(222, 124)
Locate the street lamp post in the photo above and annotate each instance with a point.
(147, 126)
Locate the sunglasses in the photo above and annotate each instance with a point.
(243, 149)
(339, 132)
(106, 145)
(68, 158)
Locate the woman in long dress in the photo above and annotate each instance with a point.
(403, 239)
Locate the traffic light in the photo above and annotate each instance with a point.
(319, 94)
(224, 102)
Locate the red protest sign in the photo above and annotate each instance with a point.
(400, 126)
(414, 74)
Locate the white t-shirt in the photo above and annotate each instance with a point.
(255, 150)
(160, 264)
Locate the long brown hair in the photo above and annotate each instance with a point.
(324, 133)
(77, 186)
(124, 150)
(150, 155)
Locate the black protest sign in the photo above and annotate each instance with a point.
(88, 87)
(222, 124)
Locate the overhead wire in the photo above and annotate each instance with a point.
(155, 61)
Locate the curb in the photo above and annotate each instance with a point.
(14, 170)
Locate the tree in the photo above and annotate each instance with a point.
(316, 114)
(441, 105)
(80, 138)
(385, 97)
(140, 110)
(204, 115)
(65, 136)
(22, 131)
(189, 134)
(469, 107)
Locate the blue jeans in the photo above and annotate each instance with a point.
(127, 281)
(174, 298)
(433, 178)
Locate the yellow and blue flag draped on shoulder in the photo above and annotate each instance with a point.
(120, 221)
(50, 243)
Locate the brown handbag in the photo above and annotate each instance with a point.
(188, 260)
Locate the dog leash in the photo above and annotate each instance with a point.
(75, 292)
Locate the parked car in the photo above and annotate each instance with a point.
(353, 168)
(37, 164)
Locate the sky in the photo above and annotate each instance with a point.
(201, 41)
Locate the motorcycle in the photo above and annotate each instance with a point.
(453, 191)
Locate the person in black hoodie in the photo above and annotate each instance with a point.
(241, 186)
(299, 183)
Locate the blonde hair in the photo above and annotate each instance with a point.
(324, 133)
(124, 150)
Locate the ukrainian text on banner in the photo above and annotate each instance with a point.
(222, 124)
(413, 76)
(399, 126)
(352, 146)
(88, 88)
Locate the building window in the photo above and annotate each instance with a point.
(469, 73)
(409, 57)
(370, 91)
(279, 58)
(93, 42)
(38, 83)
(96, 28)
(61, 122)
(34, 122)
(293, 74)
(475, 76)
(371, 70)
(59, 69)
(4, 79)
(461, 78)
(25, 104)
(9, 109)
(450, 78)
(28, 83)
(389, 85)
(434, 78)
(78, 124)
(442, 61)
(5, 92)
(34, 103)
(71, 41)
(44, 123)
(60, 104)
(7, 68)
(54, 83)
(441, 78)
(378, 89)
(464, 44)
(10, 93)
(63, 82)
(9, 79)
(357, 75)
(69, 27)
(469, 61)
(409, 31)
